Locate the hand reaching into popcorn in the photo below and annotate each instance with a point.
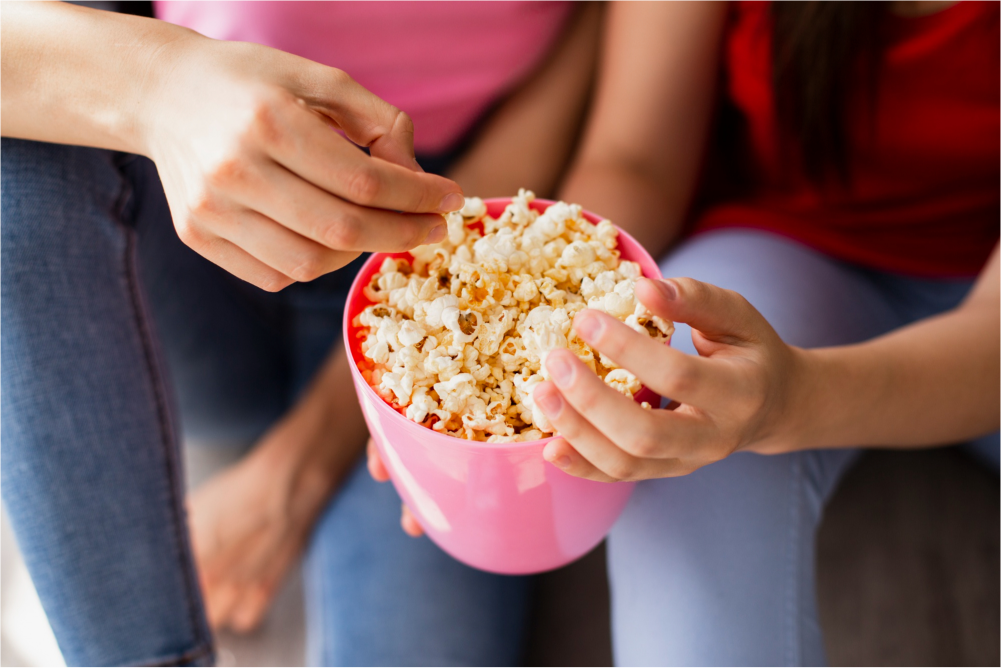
(748, 390)
(738, 395)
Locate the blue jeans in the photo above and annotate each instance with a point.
(117, 336)
(117, 339)
(716, 568)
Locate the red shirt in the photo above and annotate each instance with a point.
(924, 197)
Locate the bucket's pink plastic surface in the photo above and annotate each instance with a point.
(496, 506)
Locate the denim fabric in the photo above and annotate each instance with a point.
(117, 338)
(91, 475)
(377, 597)
(717, 568)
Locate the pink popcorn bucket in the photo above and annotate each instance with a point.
(498, 507)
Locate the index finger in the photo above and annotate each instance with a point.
(665, 370)
(298, 139)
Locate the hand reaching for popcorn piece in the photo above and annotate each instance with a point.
(922, 385)
(737, 395)
(734, 396)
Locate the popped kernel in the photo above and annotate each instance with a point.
(457, 337)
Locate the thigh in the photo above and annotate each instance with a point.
(91, 476)
(718, 567)
(376, 596)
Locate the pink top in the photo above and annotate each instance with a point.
(444, 63)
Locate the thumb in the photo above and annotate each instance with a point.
(718, 314)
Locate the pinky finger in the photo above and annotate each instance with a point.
(410, 524)
(242, 264)
(565, 457)
(375, 466)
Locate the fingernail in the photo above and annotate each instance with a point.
(560, 370)
(452, 202)
(436, 234)
(550, 403)
(563, 462)
(667, 290)
(589, 326)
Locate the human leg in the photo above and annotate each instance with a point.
(376, 596)
(718, 567)
(91, 474)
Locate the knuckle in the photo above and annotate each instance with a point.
(745, 306)
(188, 233)
(413, 235)
(683, 470)
(645, 445)
(206, 206)
(266, 118)
(309, 269)
(683, 379)
(620, 470)
(229, 172)
(274, 282)
(343, 234)
(403, 123)
(689, 286)
(363, 186)
(585, 396)
(339, 78)
(614, 343)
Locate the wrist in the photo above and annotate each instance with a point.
(812, 404)
(160, 64)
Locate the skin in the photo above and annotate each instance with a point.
(907, 8)
(259, 184)
(926, 384)
(250, 523)
(241, 135)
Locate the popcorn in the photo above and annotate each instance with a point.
(456, 339)
(623, 381)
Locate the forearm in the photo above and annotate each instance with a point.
(931, 383)
(528, 141)
(643, 147)
(631, 197)
(73, 75)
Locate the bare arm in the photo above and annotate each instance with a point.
(644, 142)
(932, 382)
(78, 76)
(256, 180)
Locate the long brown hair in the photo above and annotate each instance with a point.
(825, 61)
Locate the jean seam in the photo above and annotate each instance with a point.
(168, 437)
